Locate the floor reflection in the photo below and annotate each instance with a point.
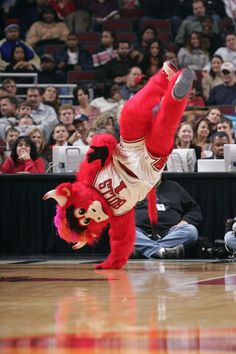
(151, 306)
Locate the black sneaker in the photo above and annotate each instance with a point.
(174, 252)
(183, 84)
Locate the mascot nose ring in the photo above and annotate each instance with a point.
(96, 212)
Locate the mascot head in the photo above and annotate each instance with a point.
(81, 215)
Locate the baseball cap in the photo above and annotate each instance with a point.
(227, 66)
(80, 119)
(11, 24)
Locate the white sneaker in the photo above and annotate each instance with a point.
(169, 69)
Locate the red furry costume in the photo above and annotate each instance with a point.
(114, 176)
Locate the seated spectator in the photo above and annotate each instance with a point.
(28, 13)
(24, 158)
(106, 50)
(178, 219)
(211, 75)
(226, 125)
(50, 97)
(193, 54)
(195, 96)
(202, 132)
(171, 56)
(128, 89)
(101, 11)
(11, 136)
(73, 56)
(62, 7)
(8, 109)
(116, 69)
(228, 53)
(23, 108)
(20, 62)
(10, 86)
(211, 40)
(66, 116)
(37, 136)
(83, 106)
(193, 23)
(153, 57)
(218, 140)
(105, 123)
(147, 34)
(49, 73)
(214, 116)
(225, 93)
(79, 138)
(8, 43)
(60, 135)
(184, 139)
(78, 21)
(25, 124)
(42, 114)
(112, 100)
(48, 30)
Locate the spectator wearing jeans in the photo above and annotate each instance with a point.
(178, 218)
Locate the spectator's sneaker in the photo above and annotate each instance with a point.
(183, 84)
(174, 252)
(169, 69)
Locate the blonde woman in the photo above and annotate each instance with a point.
(43, 150)
(184, 139)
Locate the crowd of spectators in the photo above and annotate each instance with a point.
(199, 34)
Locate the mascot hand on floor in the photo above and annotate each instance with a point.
(115, 176)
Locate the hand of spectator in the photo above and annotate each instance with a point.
(24, 155)
(74, 137)
(61, 65)
(120, 79)
(182, 222)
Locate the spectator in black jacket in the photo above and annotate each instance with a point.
(117, 69)
(72, 56)
(178, 218)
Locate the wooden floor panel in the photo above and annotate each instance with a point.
(65, 306)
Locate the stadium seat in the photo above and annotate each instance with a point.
(118, 25)
(159, 24)
(75, 76)
(53, 48)
(89, 37)
(131, 13)
(130, 36)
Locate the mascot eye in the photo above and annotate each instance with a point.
(85, 221)
(78, 212)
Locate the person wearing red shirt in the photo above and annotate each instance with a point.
(63, 7)
(24, 158)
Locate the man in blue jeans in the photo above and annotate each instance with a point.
(178, 218)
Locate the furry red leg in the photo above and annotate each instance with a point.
(139, 111)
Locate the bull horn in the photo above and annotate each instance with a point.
(78, 245)
(61, 199)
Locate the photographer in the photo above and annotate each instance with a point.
(230, 239)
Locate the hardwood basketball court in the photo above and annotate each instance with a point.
(62, 305)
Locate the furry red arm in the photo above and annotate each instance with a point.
(101, 149)
(122, 237)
